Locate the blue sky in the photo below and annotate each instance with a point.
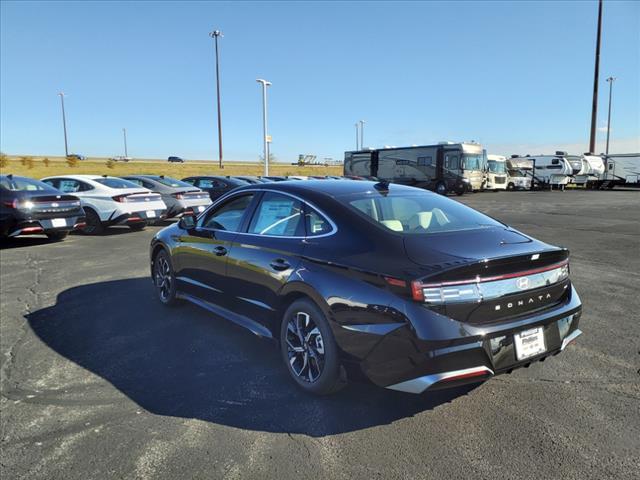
(516, 76)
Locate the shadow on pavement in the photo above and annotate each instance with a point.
(184, 362)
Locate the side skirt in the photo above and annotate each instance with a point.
(241, 320)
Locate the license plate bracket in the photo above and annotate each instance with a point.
(529, 343)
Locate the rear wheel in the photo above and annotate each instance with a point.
(93, 225)
(309, 349)
(164, 279)
(511, 186)
(441, 188)
(57, 236)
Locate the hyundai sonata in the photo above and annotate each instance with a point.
(404, 287)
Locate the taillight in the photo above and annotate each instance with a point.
(120, 198)
(12, 204)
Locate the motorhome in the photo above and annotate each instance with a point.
(551, 170)
(621, 169)
(520, 173)
(496, 173)
(445, 167)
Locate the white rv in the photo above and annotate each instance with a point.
(496, 173)
(621, 169)
(592, 168)
(520, 172)
(551, 170)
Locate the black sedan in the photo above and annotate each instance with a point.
(405, 287)
(216, 186)
(29, 207)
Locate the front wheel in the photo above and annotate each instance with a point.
(309, 349)
(93, 225)
(441, 188)
(164, 279)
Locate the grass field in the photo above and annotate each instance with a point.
(36, 167)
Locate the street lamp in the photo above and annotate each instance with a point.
(610, 80)
(266, 139)
(215, 34)
(362, 134)
(64, 125)
(124, 134)
(357, 136)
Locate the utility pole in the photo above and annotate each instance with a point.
(362, 134)
(594, 106)
(265, 84)
(357, 136)
(124, 134)
(610, 80)
(215, 34)
(64, 125)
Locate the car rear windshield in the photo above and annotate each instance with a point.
(172, 182)
(419, 213)
(21, 184)
(116, 183)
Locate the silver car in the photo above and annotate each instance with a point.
(180, 197)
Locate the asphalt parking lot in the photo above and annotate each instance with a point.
(100, 381)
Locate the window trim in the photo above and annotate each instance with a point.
(258, 194)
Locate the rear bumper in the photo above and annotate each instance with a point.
(45, 226)
(136, 217)
(414, 360)
(187, 208)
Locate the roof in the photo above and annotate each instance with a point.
(330, 188)
(81, 177)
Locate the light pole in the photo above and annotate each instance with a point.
(124, 134)
(265, 84)
(215, 34)
(362, 134)
(357, 136)
(594, 105)
(64, 125)
(610, 80)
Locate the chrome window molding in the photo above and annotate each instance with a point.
(228, 196)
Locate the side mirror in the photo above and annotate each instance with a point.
(187, 222)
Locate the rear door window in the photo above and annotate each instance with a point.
(278, 215)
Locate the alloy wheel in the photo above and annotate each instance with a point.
(163, 278)
(305, 347)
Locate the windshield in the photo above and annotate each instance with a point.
(172, 182)
(113, 182)
(419, 213)
(496, 167)
(22, 184)
(472, 161)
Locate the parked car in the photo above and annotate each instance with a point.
(275, 178)
(406, 287)
(110, 201)
(215, 186)
(253, 179)
(121, 158)
(29, 207)
(181, 198)
(76, 156)
(175, 159)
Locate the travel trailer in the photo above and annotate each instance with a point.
(621, 169)
(445, 167)
(496, 173)
(551, 170)
(592, 169)
(520, 173)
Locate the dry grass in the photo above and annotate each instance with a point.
(36, 167)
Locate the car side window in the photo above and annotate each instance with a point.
(67, 185)
(207, 183)
(229, 215)
(192, 181)
(53, 182)
(278, 215)
(316, 224)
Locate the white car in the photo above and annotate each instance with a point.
(110, 201)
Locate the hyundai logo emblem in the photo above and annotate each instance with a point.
(522, 283)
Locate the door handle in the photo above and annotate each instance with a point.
(279, 264)
(220, 251)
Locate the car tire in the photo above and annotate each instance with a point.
(460, 189)
(441, 188)
(511, 187)
(137, 226)
(309, 349)
(164, 279)
(57, 236)
(93, 224)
